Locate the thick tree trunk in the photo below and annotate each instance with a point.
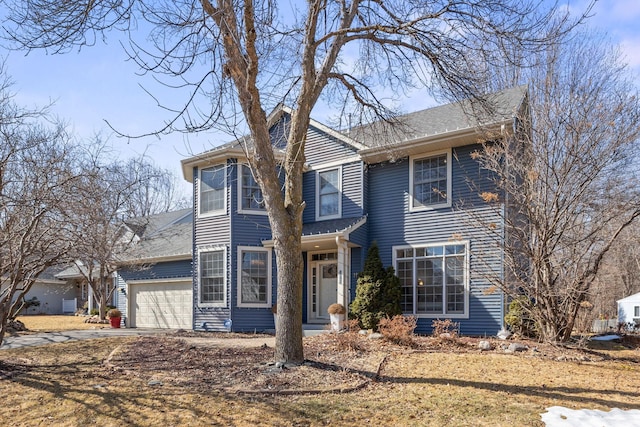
(289, 320)
(3, 322)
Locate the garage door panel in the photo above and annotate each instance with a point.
(162, 305)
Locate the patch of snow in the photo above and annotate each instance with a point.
(606, 338)
(557, 416)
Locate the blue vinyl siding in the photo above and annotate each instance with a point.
(120, 297)
(309, 196)
(161, 270)
(247, 230)
(324, 148)
(352, 192)
(212, 231)
(352, 199)
(391, 224)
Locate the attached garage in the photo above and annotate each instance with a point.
(161, 304)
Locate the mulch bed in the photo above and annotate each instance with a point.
(335, 362)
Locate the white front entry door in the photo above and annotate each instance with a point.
(324, 289)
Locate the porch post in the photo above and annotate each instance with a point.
(342, 271)
(89, 298)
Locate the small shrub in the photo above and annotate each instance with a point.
(114, 312)
(349, 339)
(352, 325)
(94, 312)
(398, 329)
(446, 330)
(518, 318)
(378, 292)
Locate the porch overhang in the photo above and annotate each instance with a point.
(325, 235)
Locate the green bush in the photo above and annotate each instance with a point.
(518, 317)
(378, 292)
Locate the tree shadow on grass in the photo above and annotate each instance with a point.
(572, 394)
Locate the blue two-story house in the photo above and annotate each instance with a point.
(415, 191)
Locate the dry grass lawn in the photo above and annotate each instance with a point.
(172, 382)
(45, 323)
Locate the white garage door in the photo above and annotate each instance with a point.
(161, 305)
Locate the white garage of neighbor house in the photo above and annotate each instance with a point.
(155, 288)
(629, 310)
(51, 294)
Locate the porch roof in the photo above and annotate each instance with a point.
(322, 235)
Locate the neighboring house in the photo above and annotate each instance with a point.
(629, 310)
(154, 281)
(55, 296)
(416, 194)
(154, 288)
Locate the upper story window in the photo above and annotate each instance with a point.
(254, 277)
(213, 183)
(329, 193)
(212, 276)
(249, 191)
(430, 181)
(434, 279)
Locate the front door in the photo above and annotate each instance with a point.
(324, 289)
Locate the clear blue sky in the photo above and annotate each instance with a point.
(98, 84)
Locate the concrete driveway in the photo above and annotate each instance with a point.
(57, 337)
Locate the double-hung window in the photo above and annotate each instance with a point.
(212, 278)
(254, 277)
(430, 181)
(434, 279)
(213, 185)
(329, 193)
(249, 191)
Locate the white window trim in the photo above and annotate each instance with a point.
(240, 182)
(339, 214)
(206, 249)
(467, 279)
(412, 160)
(242, 249)
(216, 212)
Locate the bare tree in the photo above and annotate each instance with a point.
(619, 276)
(156, 192)
(242, 58)
(567, 182)
(102, 202)
(36, 176)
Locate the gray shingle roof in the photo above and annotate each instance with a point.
(163, 235)
(340, 225)
(173, 241)
(439, 120)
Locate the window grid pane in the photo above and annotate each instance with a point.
(212, 189)
(329, 197)
(212, 287)
(430, 181)
(405, 273)
(254, 280)
(251, 192)
(438, 282)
